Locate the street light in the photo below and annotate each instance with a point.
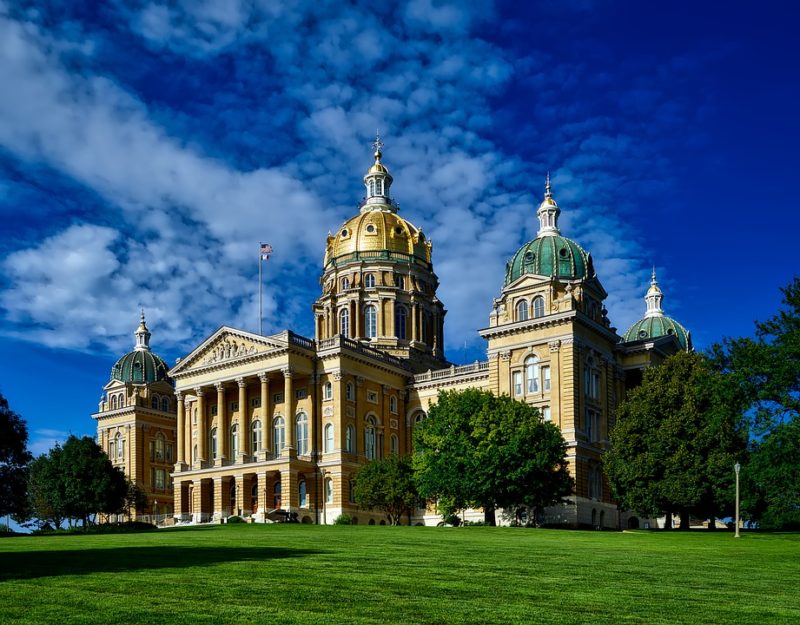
(736, 468)
(323, 473)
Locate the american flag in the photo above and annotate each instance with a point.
(266, 250)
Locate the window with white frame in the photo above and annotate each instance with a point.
(255, 402)
(119, 445)
(213, 443)
(592, 425)
(345, 284)
(302, 494)
(277, 398)
(328, 439)
(370, 321)
(538, 307)
(165, 404)
(301, 433)
(393, 404)
(369, 438)
(349, 392)
(372, 397)
(545, 379)
(113, 402)
(369, 281)
(234, 440)
(160, 479)
(279, 434)
(532, 374)
(591, 379)
(516, 379)
(154, 400)
(350, 439)
(522, 310)
(400, 321)
(328, 490)
(327, 391)
(400, 282)
(394, 444)
(546, 415)
(344, 323)
(256, 435)
(160, 447)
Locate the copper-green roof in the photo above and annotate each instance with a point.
(659, 325)
(140, 366)
(550, 256)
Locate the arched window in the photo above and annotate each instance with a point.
(113, 402)
(522, 310)
(302, 495)
(370, 321)
(276, 494)
(400, 282)
(344, 323)
(372, 187)
(121, 401)
(328, 438)
(119, 445)
(369, 281)
(213, 443)
(255, 428)
(369, 438)
(348, 391)
(165, 404)
(194, 454)
(394, 444)
(279, 431)
(349, 439)
(154, 402)
(160, 445)
(538, 307)
(234, 441)
(301, 433)
(419, 418)
(327, 391)
(393, 404)
(345, 284)
(328, 490)
(400, 321)
(532, 374)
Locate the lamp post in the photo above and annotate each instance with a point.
(323, 473)
(736, 468)
(155, 510)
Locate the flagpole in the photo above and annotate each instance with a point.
(260, 292)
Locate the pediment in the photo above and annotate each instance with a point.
(227, 344)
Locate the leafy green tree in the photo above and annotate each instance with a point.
(46, 497)
(14, 461)
(771, 479)
(479, 450)
(676, 440)
(387, 485)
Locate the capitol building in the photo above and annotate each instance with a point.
(254, 425)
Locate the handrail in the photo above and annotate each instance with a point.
(452, 371)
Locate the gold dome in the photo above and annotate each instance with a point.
(373, 232)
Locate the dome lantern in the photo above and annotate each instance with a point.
(655, 323)
(548, 213)
(142, 335)
(653, 298)
(378, 180)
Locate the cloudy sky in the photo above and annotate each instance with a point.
(147, 148)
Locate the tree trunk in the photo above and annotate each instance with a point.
(684, 520)
(668, 520)
(489, 516)
(712, 524)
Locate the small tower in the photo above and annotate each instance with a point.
(378, 180)
(548, 213)
(653, 298)
(142, 335)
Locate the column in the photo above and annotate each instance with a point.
(218, 504)
(181, 434)
(414, 336)
(263, 502)
(357, 321)
(339, 411)
(202, 430)
(288, 402)
(244, 420)
(222, 425)
(315, 396)
(178, 501)
(266, 416)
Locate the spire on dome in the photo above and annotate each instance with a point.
(654, 298)
(378, 180)
(142, 335)
(548, 212)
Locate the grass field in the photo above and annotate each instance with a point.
(289, 574)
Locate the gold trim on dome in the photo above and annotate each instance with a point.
(390, 232)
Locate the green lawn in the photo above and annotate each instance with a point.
(289, 574)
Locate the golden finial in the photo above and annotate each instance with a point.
(547, 192)
(377, 144)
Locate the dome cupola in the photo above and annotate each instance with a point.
(655, 323)
(378, 181)
(550, 254)
(140, 366)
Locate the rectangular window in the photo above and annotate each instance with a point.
(546, 416)
(349, 393)
(152, 451)
(327, 391)
(213, 410)
(372, 397)
(277, 398)
(234, 406)
(393, 404)
(592, 425)
(546, 378)
(160, 481)
(300, 393)
(255, 402)
(517, 383)
(596, 384)
(169, 453)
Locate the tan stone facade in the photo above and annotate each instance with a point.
(263, 424)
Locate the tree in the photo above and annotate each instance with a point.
(676, 440)
(14, 460)
(387, 485)
(479, 450)
(76, 481)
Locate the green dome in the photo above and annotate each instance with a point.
(655, 326)
(551, 255)
(140, 366)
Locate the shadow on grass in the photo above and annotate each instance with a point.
(33, 564)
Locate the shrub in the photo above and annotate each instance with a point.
(343, 519)
(236, 519)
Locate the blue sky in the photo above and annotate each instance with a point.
(146, 149)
